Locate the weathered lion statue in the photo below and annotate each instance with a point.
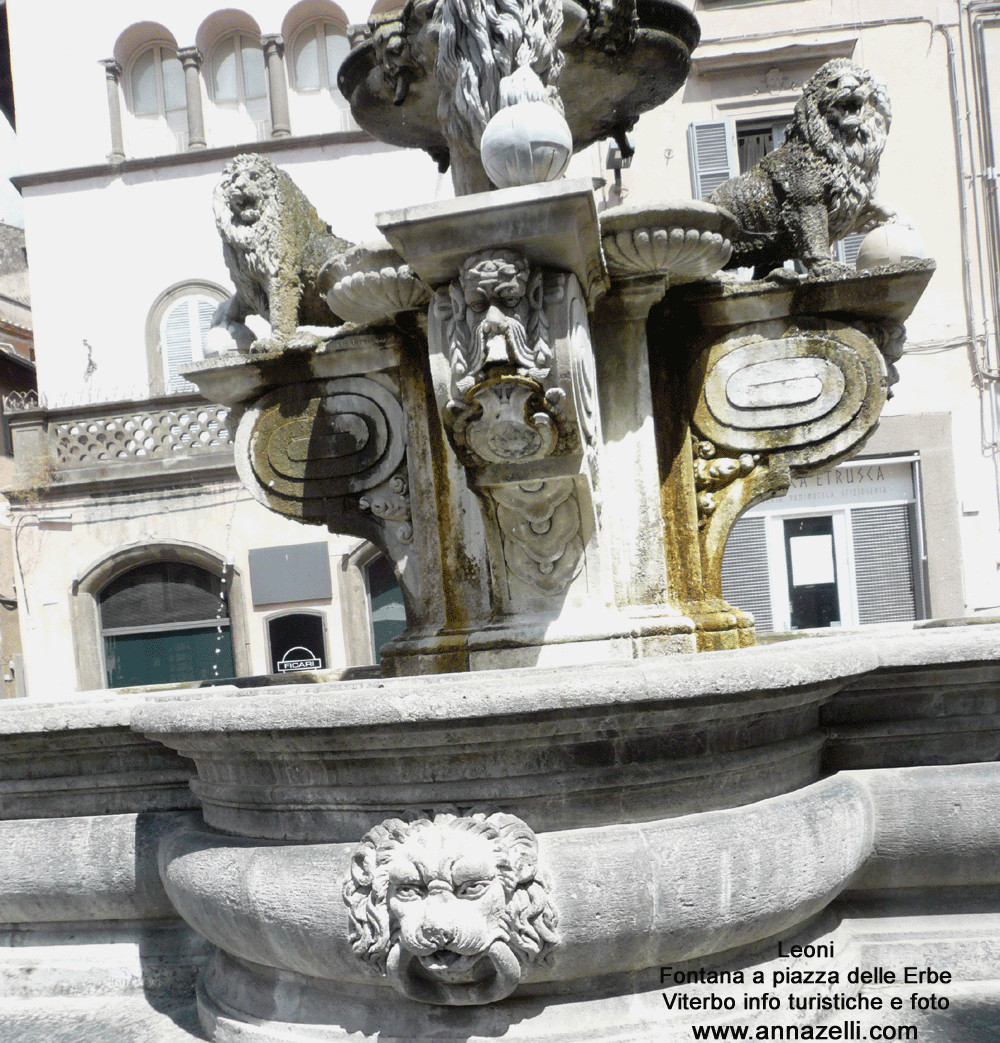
(818, 186)
(274, 243)
(450, 908)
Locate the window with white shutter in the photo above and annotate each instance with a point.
(846, 249)
(182, 338)
(712, 155)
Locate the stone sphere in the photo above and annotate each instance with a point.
(524, 144)
(890, 244)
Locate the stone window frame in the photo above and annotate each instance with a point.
(355, 605)
(154, 320)
(88, 643)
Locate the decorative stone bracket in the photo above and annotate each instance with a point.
(784, 383)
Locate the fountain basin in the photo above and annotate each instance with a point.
(603, 92)
(559, 748)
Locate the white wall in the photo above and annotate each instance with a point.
(103, 249)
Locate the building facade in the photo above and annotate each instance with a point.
(133, 541)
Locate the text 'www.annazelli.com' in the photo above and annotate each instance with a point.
(848, 1030)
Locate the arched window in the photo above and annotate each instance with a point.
(157, 101)
(315, 56)
(388, 613)
(317, 51)
(165, 622)
(238, 84)
(297, 641)
(175, 332)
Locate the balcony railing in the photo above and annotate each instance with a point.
(119, 440)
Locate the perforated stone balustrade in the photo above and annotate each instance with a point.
(136, 434)
(94, 442)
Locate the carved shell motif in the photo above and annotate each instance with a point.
(371, 282)
(680, 241)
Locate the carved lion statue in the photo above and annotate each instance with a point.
(451, 908)
(818, 186)
(274, 243)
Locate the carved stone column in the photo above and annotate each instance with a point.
(113, 74)
(644, 390)
(632, 504)
(274, 58)
(190, 58)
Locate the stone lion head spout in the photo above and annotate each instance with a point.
(450, 909)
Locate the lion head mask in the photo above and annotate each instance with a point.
(450, 909)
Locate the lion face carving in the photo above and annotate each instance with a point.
(450, 909)
(818, 186)
(246, 184)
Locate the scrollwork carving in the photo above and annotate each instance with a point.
(451, 909)
(540, 525)
(713, 473)
(390, 501)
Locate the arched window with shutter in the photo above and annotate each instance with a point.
(167, 621)
(176, 327)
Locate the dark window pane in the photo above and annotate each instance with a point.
(296, 642)
(388, 611)
(199, 654)
(162, 592)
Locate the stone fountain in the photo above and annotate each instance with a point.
(548, 419)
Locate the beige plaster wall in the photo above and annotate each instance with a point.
(60, 543)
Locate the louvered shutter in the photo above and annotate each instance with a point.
(712, 155)
(847, 248)
(745, 580)
(206, 309)
(185, 327)
(883, 564)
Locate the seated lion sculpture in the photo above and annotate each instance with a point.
(450, 909)
(818, 186)
(274, 244)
